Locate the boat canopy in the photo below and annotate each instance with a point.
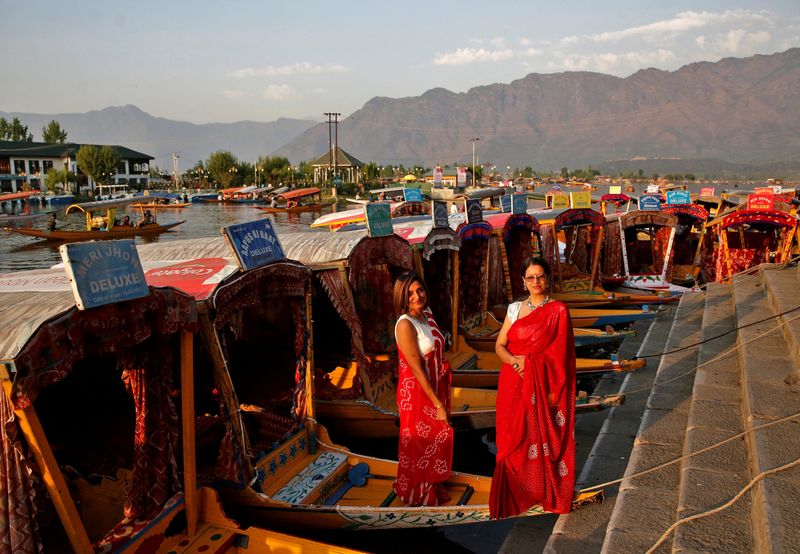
(230, 190)
(694, 211)
(16, 196)
(99, 205)
(643, 217)
(386, 190)
(299, 193)
(772, 218)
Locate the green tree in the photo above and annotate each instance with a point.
(223, 167)
(52, 133)
(14, 130)
(276, 169)
(565, 172)
(59, 178)
(98, 163)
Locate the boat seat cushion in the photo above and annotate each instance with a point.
(305, 484)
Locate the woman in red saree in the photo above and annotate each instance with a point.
(425, 450)
(535, 403)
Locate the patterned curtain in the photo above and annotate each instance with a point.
(18, 530)
(337, 293)
(300, 348)
(471, 267)
(518, 247)
(155, 468)
(496, 277)
(438, 278)
(660, 244)
(612, 250)
(548, 246)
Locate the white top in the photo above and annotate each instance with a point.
(512, 313)
(424, 334)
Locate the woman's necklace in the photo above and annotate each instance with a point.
(544, 301)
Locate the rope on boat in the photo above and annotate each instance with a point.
(728, 504)
(746, 271)
(715, 358)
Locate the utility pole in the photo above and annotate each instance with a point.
(330, 115)
(473, 141)
(175, 168)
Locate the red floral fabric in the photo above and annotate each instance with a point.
(18, 532)
(425, 450)
(536, 417)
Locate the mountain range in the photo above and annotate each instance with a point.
(159, 137)
(736, 116)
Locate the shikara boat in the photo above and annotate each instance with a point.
(298, 200)
(161, 206)
(749, 237)
(355, 216)
(582, 231)
(120, 470)
(689, 236)
(638, 251)
(486, 372)
(300, 479)
(99, 213)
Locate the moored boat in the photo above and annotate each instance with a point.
(101, 223)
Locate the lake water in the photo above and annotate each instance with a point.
(18, 252)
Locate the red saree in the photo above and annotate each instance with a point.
(425, 450)
(536, 417)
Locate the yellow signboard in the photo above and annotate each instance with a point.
(581, 200)
(558, 201)
(615, 189)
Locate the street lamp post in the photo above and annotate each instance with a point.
(473, 141)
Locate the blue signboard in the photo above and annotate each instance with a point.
(379, 219)
(520, 203)
(474, 211)
(440, 219)
(413, 195)
(505, 203)
(678, 197)
(255, 243)
(649, 202)
(104, 272)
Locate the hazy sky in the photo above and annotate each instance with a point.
(231, 60)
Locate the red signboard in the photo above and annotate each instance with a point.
(707, 191)
(761, 201)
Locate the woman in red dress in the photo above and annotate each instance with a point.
(535, 402)
(425, 451)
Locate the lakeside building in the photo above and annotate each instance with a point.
(24, 165)
(346, 166)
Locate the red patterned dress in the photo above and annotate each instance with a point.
(536, 417)
(425, 450)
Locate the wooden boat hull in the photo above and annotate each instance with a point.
(307, 208)
(152, 206)
(216, 532)
(487, 372)
(584, 336)
(298, 484)
(118, 232)
(584, 317)
(469, 409)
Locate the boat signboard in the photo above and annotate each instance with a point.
(255, 243)
(474, 211)
(678, 197)
(440, 219)
(104, 272)
(650, 202)
(707, 191)
(379, 219)
(581, 200)
(519, 203)
(413, 195)
(505, 203)
(761, 201)
(615, 189)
